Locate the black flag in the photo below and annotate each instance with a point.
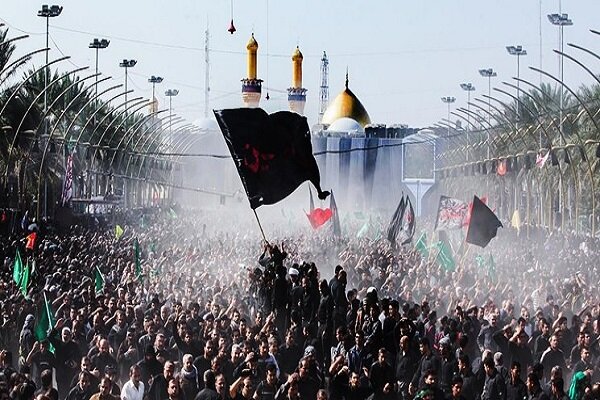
(408, 223)
(396, 222)
(483, 225)
(272, 153)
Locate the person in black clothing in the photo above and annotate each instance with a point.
(67, 358)
(118, 331)
(40, 358)
(448, 366)
(209, 392)
(149, 366)
(160, 383)
(553, 356)
(308, 382)
(325, 322)
(127, 355)
(542, 341)
(519, 350)
(358, 389)
(391, 330)
(534, 388)
(557, 390)
(183, 338)
(585, 364)
(81, 391)
(381, 376)
(267, 388)
(339, 375)
(406, 363)
(494, 387)
(242, 388)
(456, 389)
(340, 301)
(515, 387)
(471, 389)
(202, 363)
(103, 359)
(280, 299)
(430, 389)
(47, 389)
(309, 304)
(429, 361)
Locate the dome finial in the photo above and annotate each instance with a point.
(346, 77)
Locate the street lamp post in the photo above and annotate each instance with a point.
(126, 64)
(468, 87)
(154, 80)
(488, 73)
(517, 51)
(448, 100)
(170, 93)
(560, 20)
(98, 44)
(47, 12)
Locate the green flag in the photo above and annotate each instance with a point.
(444, 256)
(138, 260)
(46, 322)
(364, 230)
(25, 280)
(480, 261)
(172, 213)
(421, 245)
(98, 280)
(18, 268)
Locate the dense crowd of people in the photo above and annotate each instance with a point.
(215, 315)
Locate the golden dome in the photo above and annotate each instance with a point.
(346, 105)
(297, 55)
(252, 43)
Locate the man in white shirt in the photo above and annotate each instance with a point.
(133, 389)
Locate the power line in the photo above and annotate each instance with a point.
(317, 153)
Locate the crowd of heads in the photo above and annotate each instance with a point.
(214, 313)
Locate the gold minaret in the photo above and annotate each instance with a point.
(297, 94)
(251, 86)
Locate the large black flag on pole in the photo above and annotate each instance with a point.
(484, 224)
(396, 222)
(272, 153)
(408, 222)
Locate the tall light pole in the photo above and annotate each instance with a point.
(170, 93)
(126, 64)
(47, 12)
(468, 87)
(448, 100)
(488, 73)
(560, 20)
(517, 51)
(154, 80)
(98, 44)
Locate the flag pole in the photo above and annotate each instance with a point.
(260, 226)
(47, 310)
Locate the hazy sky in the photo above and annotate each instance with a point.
(402, 55)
